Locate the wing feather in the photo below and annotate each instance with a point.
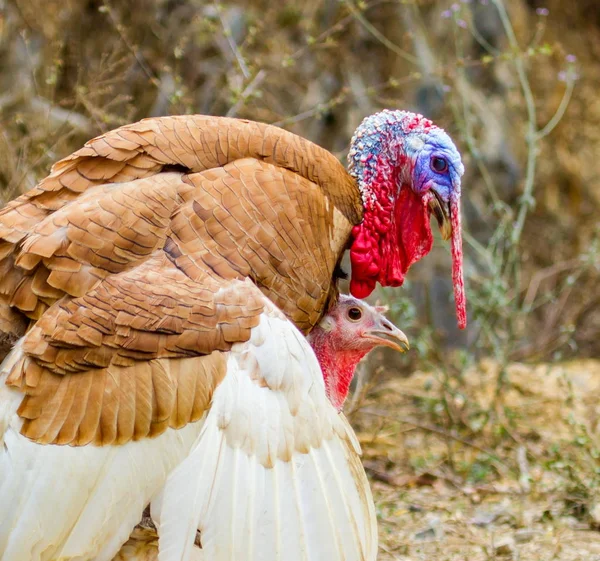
(256, 485)
(101, 490)
(117, 404)
(105, 208)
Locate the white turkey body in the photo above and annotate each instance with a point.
(281, 472)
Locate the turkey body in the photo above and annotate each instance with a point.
(145, 268)
(271, 469)
(255, 201)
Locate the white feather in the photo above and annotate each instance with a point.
(271, 473)
(276, 473)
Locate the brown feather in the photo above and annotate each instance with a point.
(129, 268)
(117, 405)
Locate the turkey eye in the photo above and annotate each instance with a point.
(354, 314)
(440, 165)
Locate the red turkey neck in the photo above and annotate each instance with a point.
(338, 366)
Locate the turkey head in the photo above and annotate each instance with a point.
(406, 169)
(348, 332)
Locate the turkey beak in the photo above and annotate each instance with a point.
(441, 211)
(385, 333)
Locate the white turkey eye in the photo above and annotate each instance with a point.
(439, 165)
(354, 314)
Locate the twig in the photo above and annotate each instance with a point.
(231, 42)
(378, 35)
(319, 108)
(481, 250)
(482, 41)
(441, 432)
(539, 33)
(61, 116)
(27, 175)
(543, 274)
(248, 91)
(467, 120)
(339, 26)
(524, 477)
(32, 69)
(531, 138)
(132, 48)
(562, 107)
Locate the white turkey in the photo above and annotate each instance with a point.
(343, 337)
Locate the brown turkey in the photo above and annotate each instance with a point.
(143, 284)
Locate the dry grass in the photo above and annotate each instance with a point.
(446, 524)
(521, 483)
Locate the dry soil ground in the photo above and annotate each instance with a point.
(522, 483)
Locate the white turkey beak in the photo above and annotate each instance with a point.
(385, 333)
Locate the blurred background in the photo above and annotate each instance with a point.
(480, 444)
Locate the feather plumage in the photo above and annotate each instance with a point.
(269, 429)
(136, 278)
(275, 460)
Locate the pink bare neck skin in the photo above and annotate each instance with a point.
(338, 367)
